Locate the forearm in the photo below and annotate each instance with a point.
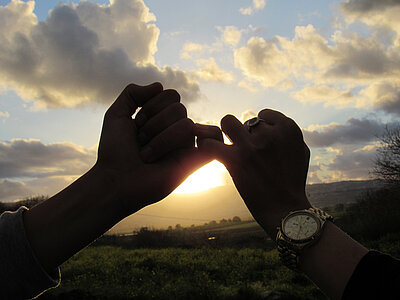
(72, 219)
(331, 261)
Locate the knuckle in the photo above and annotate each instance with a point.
(179, 110)
(173, 95)
(185, 128)
(129, 88)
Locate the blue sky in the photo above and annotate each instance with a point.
(333, 66)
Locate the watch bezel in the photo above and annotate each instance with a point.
(306, 240)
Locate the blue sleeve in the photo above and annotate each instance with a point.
(377, 276)
(21, 275)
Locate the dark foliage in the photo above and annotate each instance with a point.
(374, 216)
(387, 163)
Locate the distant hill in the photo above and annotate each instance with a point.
(225, 202)
(218, 203)
(330, 194)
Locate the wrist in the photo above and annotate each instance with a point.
(108, 190)
(271, 219)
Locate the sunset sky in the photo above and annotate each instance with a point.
(333, 66)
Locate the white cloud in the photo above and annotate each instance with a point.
(248, 86)
(383, 95)
(258, 62)
(332, 70)
(4, 115)
(331, 96)
(377, 14)
(257, 5)
(231, 35)
(210, 71)
(247, 115)
(82, 53)
(190, 48)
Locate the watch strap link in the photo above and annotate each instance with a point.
(287, 256)
(320, 213)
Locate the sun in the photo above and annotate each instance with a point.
(207, 177)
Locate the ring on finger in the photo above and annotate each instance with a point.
(253, 123)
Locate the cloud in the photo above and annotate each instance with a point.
(82, 53)
(313, 174)
(381, 16)
(190, 48)
(247, 115)
(384, 95)
(257, 5)
(354, 131)
(32, 159)
(259, 62)
(231, 35)
(364, 6)
(4, 115)
(248, 86)
(333, 70)
(353, 164)
(210, 71)
(324, 94)
(10, 189)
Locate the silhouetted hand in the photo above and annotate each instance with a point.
(146, 158)
(268, 165)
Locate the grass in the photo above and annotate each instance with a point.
(114, 273)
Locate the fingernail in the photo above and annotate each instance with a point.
(140, 119)
(146, 154)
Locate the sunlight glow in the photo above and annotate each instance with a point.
(207, 177)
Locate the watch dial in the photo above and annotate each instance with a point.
(300, 226)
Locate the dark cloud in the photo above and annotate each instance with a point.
(362, 6)
(354, 164)
(352, 132)
(33, 159)
(11, 189)
(387, 97)
(83, 53)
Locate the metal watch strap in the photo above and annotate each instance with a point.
(289, 256)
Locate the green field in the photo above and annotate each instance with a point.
(114, 273)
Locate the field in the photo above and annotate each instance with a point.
(108, 272)
(229, 259)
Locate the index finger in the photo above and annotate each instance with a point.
(132, 97)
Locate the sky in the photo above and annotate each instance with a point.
(332, 66)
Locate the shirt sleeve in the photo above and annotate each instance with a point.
(21, 274)
(377, 276)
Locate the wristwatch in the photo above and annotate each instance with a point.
(298, 230)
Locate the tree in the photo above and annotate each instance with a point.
(236, 219)
(387, 162)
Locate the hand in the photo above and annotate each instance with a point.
(146, 158)
(268, 165)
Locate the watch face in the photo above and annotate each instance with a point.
(300, 226)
